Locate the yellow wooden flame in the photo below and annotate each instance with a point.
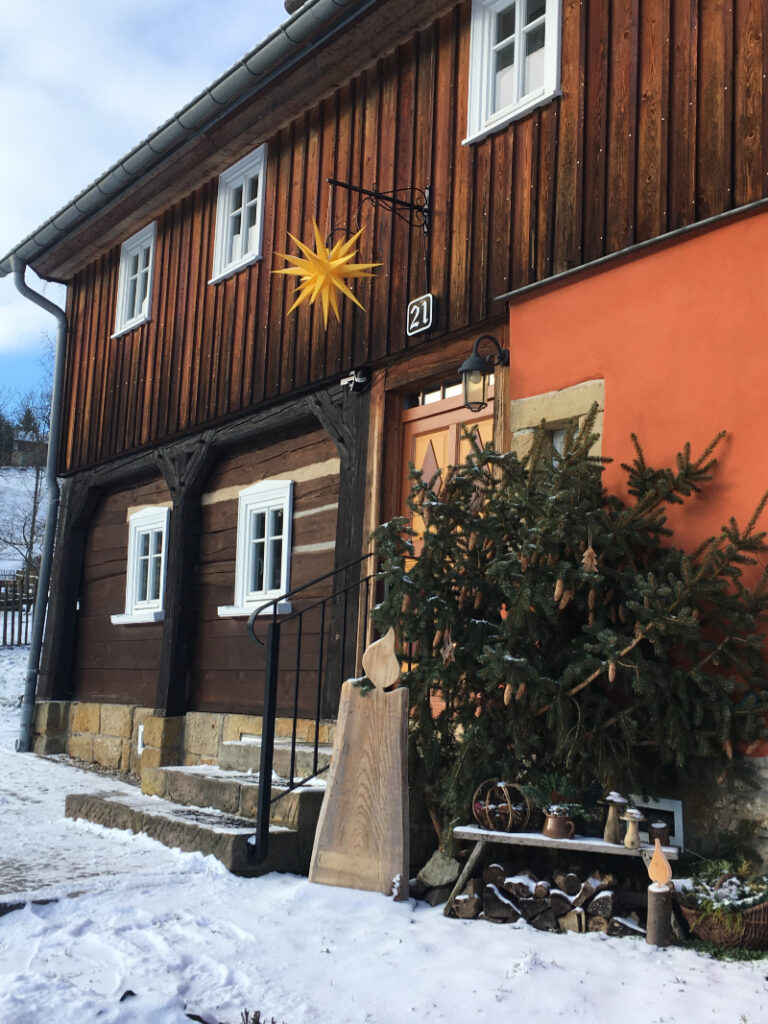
(322, 273)
(659, 869)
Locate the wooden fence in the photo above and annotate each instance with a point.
(17, 603)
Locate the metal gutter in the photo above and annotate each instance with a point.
(23, 743)
(278, 51)
(631, 250)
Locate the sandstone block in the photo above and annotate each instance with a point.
(86, 718)
(125, 755)
(203, 734)
(80, 746)
(235, 726)
(50, 744)
(152, 781)
(117, 720)
(107, 751)
(51, 716)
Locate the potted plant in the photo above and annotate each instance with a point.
(560, 803)
(727, 906)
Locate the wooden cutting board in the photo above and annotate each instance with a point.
(361, 840)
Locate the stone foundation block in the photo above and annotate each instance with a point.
(107, 751)
(80, 746)
(235, 726)
(85, 718)
(202, 735)
(117, 720)
(50, 744)
(152, 781)
(51, 716)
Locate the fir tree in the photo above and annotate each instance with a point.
(552, 627)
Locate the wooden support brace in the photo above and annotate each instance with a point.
(461, 881)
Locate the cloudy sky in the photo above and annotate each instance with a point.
(80, 84)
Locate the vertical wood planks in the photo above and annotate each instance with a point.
(661, 122)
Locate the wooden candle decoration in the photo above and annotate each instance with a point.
(659, 927)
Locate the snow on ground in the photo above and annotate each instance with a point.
(186, 937)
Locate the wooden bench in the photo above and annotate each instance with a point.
(579, 844)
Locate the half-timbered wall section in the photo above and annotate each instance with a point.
(227, 666)
(115, 663)
(662, 120)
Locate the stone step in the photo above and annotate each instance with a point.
(229, 838)
(245, 755)
(237, 793)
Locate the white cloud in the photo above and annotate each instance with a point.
(81, 84)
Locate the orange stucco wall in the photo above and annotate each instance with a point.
(679, 333)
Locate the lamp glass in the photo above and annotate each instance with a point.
(475, 384)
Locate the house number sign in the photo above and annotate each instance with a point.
(419, 316)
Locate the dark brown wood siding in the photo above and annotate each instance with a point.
(228, 667)
(117, 664)
(662, 121)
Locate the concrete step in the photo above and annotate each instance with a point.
(237, 793)
(227, 837)
(245, 755)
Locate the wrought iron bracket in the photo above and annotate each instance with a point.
(418, 212)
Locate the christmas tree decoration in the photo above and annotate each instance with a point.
(623, 666)
(323, 272)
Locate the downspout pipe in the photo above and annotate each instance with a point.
(24, 741)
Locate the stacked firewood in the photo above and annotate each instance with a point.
(564, 902)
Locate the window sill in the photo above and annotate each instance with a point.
(136, 618)
(130, 326)
(235, 611)
(235, 268)
(515, 114)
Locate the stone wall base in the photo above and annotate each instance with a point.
(136, 740)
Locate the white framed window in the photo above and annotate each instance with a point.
(145, 575)
(514, 60)
(134, 281)
(239, 215)
(262, 566)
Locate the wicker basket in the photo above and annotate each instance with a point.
(500, 806)
(747, 929)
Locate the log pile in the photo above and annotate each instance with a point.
(563, 902)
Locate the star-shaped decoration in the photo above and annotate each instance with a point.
(323, 272)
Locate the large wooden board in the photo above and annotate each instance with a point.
(362, 833)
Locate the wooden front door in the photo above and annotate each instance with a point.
(433, 440)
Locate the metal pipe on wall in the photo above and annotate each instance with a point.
(24, 741)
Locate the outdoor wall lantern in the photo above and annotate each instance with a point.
(475, 371)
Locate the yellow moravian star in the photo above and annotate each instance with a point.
(323, 272)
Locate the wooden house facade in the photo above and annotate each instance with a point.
(552, 149)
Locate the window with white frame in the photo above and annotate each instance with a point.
(145, 576)
(239, 214)
(134, 282)
(514, 60)
(263, 555)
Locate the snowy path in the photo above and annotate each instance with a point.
(180, 932)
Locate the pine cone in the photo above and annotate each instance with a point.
(508, 693)
(589, 560)
(611, 671)
(559, 588)
(438, 639)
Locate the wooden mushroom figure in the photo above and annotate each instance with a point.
(633, 817)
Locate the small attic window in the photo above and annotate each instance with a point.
(239, 215)
(134, 282)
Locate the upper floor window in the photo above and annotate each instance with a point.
(239, 214)
(145, 575)
(262, 560)
(514, 60)
(134, 282)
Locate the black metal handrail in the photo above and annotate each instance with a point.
(339, 596)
